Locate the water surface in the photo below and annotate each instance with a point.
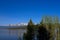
(6, 34)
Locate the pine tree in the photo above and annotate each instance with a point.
(30, 31)
(43, 34)
(24, 36)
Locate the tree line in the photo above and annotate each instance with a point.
(36, 32)
(45, 30)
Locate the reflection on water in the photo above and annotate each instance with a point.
(6, 34)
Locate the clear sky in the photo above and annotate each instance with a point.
(17, 11)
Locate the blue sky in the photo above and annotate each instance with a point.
(17, 11)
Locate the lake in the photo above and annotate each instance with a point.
(6, 34)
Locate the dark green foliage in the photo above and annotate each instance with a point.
(30, 31)
(43, 34)
(24, 36)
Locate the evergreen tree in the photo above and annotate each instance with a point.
(24, 36)
(30, 31)
(48, 24)
(43, 34)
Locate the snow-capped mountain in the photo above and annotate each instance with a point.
(20, 24)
